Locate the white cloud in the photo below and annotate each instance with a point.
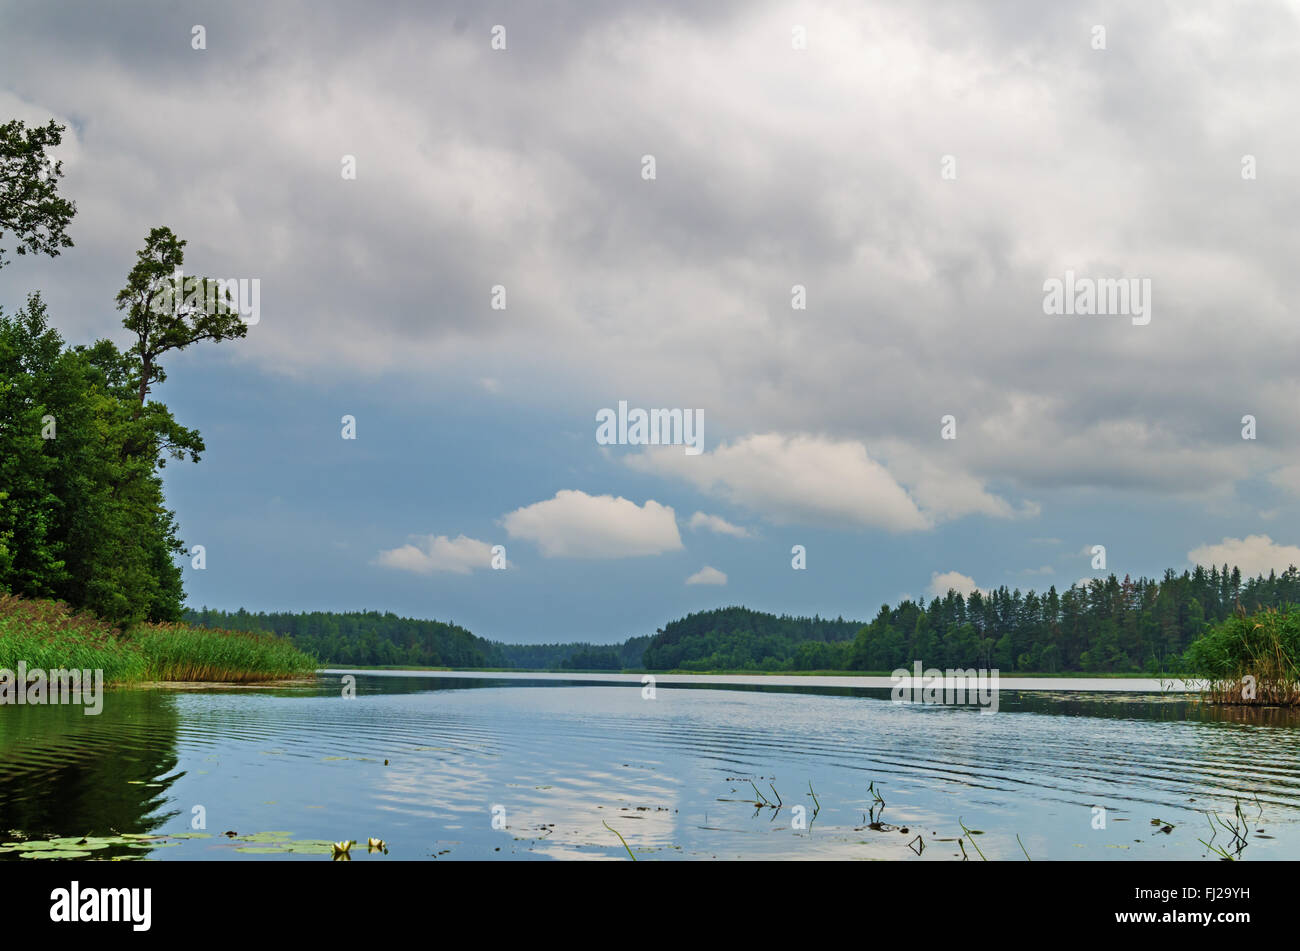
(954, 580)
(438, 553)
(707, 575)
(1254, 555)
(945, 490)
(577, 525)
(795, 479)
(718, 525)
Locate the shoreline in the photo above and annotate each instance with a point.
(1084, 684)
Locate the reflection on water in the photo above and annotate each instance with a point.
(451, 767)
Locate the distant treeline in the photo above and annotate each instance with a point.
(577, 655)
(1112, 625)
(364, 638)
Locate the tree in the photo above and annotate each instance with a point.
(30, 207)
(83, 518)
(166, 312)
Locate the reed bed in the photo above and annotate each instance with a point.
(1250, 660)
(180, 652)
(50, 635)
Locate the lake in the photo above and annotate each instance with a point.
(449, 766)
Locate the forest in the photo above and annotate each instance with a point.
(1112, 626)
(83, 519)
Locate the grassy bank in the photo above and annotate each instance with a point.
(50, 635)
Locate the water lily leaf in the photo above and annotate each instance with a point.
(266, 837)
(260, 850)
(79, 845)
(54, 854)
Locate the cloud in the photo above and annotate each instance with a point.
(438, 553)
(707, 575)
(718, 525)
(1254, 555)
(807, 479)
(795, 479)
(1288, 478)
(924, 294)
(577, 525)
(954, 580)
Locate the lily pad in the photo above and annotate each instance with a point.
(266, 837)
(79, 845)
(260, 850)
(55, 854)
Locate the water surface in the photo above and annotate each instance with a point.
(446, 767)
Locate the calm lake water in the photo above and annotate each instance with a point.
(490, 767)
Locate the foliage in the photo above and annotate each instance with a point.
(737, 638)
(51, 635)
(163, 315)
(578, 655)
(364, 638)
(1264, 646)
(84, 519)
(30, 207)
(181, 652)
(82, 513)
(1108, 626)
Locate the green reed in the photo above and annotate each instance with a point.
(50, 635)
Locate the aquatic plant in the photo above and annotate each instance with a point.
(50, 635)
(620, 838)
(1253, 660)
(183, 653)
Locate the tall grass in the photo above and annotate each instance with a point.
(50, 635)
(180, 652)
(1250, 659)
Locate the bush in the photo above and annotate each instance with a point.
(1264, 646)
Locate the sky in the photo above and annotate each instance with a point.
(826, 230)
